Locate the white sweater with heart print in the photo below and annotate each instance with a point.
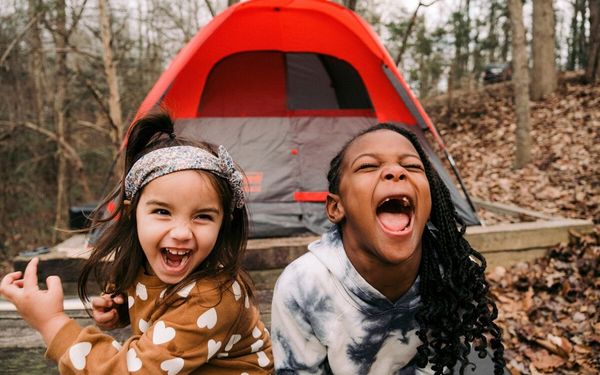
(207, 332)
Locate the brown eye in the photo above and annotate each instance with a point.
(204, 217)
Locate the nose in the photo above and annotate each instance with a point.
(181, 231)
(394, 172)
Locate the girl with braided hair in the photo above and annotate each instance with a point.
(170, 255)
(393, 287)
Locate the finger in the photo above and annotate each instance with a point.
(18, 283)
(10, 278)
(101, 302)
(7, 285)
(119, 299)
(103, 317)
(54, 286)
(30, 280)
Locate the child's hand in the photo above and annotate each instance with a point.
(105, 310)
(41, 309)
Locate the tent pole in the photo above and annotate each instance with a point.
(460, 181)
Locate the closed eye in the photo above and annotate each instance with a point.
(366, 166)
(414, 167)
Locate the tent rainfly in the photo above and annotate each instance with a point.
(283, 84)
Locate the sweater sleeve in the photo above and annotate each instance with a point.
(193, 333)
(296, 348)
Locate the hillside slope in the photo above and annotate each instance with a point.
(563, 178)
(549, 309)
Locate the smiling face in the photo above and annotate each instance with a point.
(179, 216)
(383, 202)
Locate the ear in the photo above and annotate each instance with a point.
(335, 208)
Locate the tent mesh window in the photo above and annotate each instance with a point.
(270, 83)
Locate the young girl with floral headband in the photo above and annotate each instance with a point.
(172, 250)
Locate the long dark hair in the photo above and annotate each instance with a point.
(117, 255)
(457, 312)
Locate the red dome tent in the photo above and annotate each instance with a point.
(283, 84)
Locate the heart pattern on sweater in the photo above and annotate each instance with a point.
(263, 360)
(116, 345)
(256, 332)
(162, 333)
(208, 319)
(257, 345)
(143, 325)
(130, 301)
(185, 291)
(133, 362)
(213, 348)
(237, 290)
(172, 366)
(140, 291)
(78, 352)
(232, 341)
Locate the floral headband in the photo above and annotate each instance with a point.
(167, 160)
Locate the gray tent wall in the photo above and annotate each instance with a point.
(264, 144)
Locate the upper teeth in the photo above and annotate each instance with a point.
(177, 252)
(404, 201)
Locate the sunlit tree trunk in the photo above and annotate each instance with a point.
(543, 74)
(60, 123)
(110, 70)
(520, 84)
(37, 62)
(592, 71)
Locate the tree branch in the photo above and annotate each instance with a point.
(210, 8)
(14, 42)
(411, 23)
(92, 126)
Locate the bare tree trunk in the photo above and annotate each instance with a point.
(520, 84)
(592, 71)
(37, 63)
(110, 70)
(60, 123)
(543, 75)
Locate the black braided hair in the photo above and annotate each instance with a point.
(457, 313)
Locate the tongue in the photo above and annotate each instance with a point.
(394, 222)
(172, 259)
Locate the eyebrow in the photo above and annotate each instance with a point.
(376, 155)
(155, 202)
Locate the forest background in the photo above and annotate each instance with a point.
(73, 73)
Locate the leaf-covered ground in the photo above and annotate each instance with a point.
(549, 308)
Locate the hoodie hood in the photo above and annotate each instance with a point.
(329, 250)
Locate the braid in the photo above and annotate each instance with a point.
(459, 311)
(456, 313)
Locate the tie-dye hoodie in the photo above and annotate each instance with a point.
(326, 318)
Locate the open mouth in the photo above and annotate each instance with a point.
(395, 213)
(175, 258)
